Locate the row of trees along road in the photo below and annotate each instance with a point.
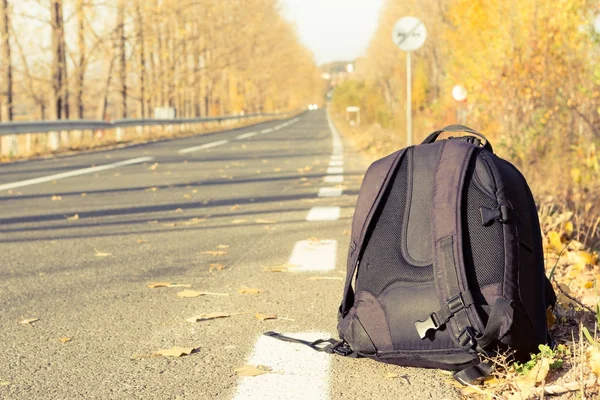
(62, 59)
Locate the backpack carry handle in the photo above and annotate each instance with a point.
(459, 128)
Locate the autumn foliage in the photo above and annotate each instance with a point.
(531, 69)
(68, 59)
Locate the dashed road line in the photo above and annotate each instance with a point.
(203, 146)
(330, 192)
(267, 130)
(314, 255)
(299, 372)
(323, 214)
(335, 170)
(334, 163)
(78, 172)
(334, 179)
(246, 135)
(338, 157)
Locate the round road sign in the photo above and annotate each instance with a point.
(409, 34)
(459, 93)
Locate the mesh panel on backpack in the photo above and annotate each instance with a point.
(382, 262)
(485, 265)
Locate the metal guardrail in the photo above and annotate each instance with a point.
(40, 137)
(14, 128)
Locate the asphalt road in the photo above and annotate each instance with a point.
(245, 194)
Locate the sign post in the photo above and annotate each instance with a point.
(409, 34)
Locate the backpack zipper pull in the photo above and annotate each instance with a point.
(491, 215)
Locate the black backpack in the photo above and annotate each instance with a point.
(446, 259)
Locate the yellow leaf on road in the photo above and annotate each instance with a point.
(154, 166)
(247, 290)
(194, 221)
(190, 294)
(153, 285)
(235, 207)
(265, 221)
(175, 351)
(73, 218)
(56, 198)
(218, 267)
(223, 246)
(65, 339)
(253, 370)
(555, 240)
(239, 221)
(179, 210)
(264, 317)
(209, 316)
(101, 253)
(214, 253)
(279, 268)
(187, 196)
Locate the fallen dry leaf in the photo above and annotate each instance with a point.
(56, 198)
(190, 294)
(253, 370)
(239, 221)
(179, 210)
(324, 278)
(218, 267)
(247, 290)
(391, 375)
(154, 166)
(140, 241)
(346, 232)
(101, 253)
(152, 189)
(187, 196)
(29, 321)
(83, 194)
(153, 285)
(65, 339)
(214, 252)
(73, 218)
(235, 207)
(153, 222)
(279, 268)
(223, 246)
(265, 221)
(175, 351)
(277, 169)
(264, 317)
(209, 316)
(194, 221)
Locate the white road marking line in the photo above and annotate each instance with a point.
(334, 179)
(246, 135)
(330, 192)
(339, 157)
(335, 170)
(267, 130)
(78, 172)
(203, 146)
(336, 163)
(299, 373)
(310, 255)
(323, 214)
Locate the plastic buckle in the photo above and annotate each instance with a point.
(424, 326)
(467, 337)
(455, 304)
(341, 349)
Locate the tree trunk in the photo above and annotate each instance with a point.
(122, 59)
(103, 106)
(6, 81)
(60, 95)
(141, 45)
(79, 79)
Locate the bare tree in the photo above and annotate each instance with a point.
(60, 103)
(122, 56)
(82, 60)
(6, 80)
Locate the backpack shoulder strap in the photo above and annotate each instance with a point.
(456, 300)
(375, 182)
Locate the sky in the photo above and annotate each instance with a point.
(335, 30)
